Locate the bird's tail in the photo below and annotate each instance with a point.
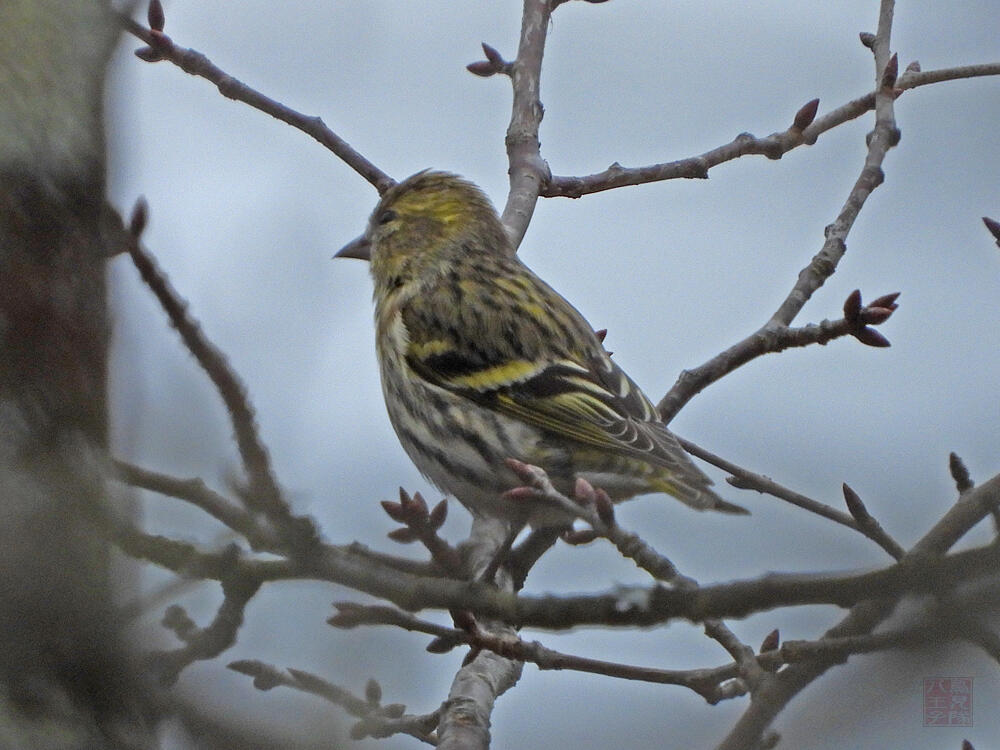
(701, 497)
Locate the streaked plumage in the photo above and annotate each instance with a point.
(482, 361)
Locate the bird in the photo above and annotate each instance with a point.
(482, 362)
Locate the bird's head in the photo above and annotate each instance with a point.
(423, 225)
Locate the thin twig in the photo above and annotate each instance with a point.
(377, 720)
(704, 682)
(197, 64)
(746, 479)
(263, 492)
(594, 507)
(207, 643)
(775, 337)
(196, 492)
(883, 137)
(773, 146)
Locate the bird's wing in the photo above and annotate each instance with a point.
(551, 373)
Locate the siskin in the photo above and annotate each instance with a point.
(482, 361)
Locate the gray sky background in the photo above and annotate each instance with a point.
(246, 213)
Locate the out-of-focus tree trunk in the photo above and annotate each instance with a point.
(65, 677)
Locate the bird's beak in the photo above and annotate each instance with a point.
(359, 248)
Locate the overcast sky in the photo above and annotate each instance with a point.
(246, 212)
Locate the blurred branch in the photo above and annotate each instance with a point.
(204, 643)
(162, 47)
(263, 493)
(260, 536)
(189, 561)
(194, 491)
(376, 720)
(207, 728)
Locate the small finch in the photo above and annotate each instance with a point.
(482, 361)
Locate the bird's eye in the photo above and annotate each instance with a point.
(386, 216)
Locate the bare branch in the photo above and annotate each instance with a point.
(377, 720)
(883, 137)
(713, 684)
(744, 657)
(484, 676)
(703, 682)
(773, 146)
(863, 618)
(263, 493)
(528, 172)
(920, 571)
(594, 507)
(161, 47)
(746, 479)
(207, 643)
(195, 491)
(775, 337)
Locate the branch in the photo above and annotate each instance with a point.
(773, 146)
(713, 684)
(377, 720)
(189, 561)
(702, 681)
(194, 491)
(775, 337)
(484, 675)
(971, 508)
(260, 537)
(595, 508)
(751, 672)
(625, 606)
(207, 643)
(162, 47)
(528, 172)
(864, 617)
(263, 492)
(883, 137)
(746, 479)
(644, 606)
